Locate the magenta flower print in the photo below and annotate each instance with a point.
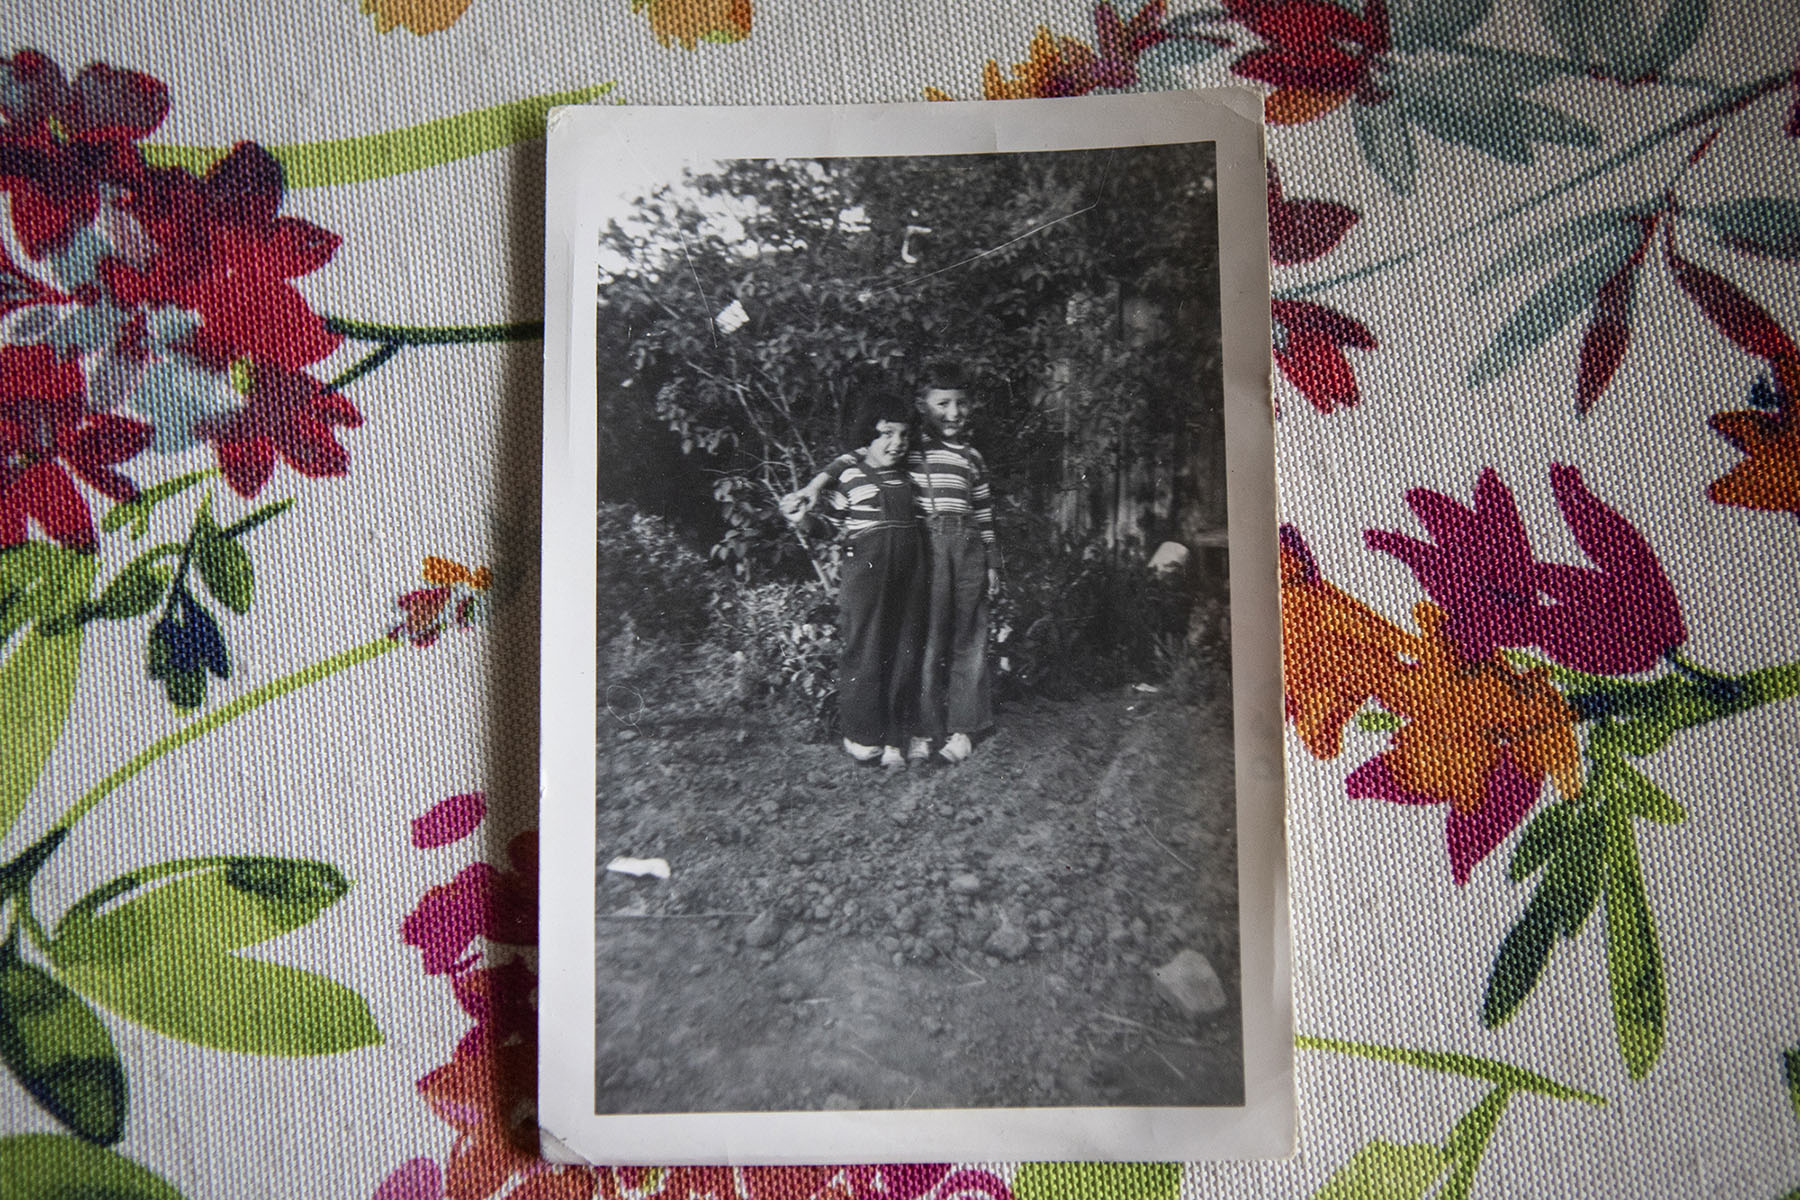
(449, 820)
(481, 901)
(1618, 617)
(1470, 834)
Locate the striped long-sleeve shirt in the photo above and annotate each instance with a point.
(853, 502)
(950, 479)
(954, 484)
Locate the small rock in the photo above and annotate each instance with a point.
(803, 856)
(1189, 982)
(851, 908)
(899, 959)
(822, 912)
(788, 992)
(1008, 942)
(1139, 929)
(890, 945)
(966, 885)
(942, 937)
(1043, 919)
(933, 1026)
(906, 921)
(838, 1102)
(697, 968)
(628, 735)
(763, 931)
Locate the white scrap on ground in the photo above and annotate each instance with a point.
(658, 867)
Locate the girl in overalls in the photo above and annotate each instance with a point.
(882, 598)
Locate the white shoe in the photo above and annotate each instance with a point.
(919, 749)
(891, 757)
(860, 752)
(957, 748)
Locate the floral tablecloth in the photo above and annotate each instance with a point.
(269, 307)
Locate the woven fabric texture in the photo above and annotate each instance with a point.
(270, 307)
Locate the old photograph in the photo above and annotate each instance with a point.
(916, 717)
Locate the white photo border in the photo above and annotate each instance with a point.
(585, 143)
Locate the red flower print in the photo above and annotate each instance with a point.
(454, 603)
(1309, 348)
(43, 426)
(1618, 617)
(290, 414)
(226, 253)
(1316, 53)
(61, 141)
(489, 1099)
(1302, 230)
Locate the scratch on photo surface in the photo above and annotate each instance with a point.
(637, 699)
(1179, 1074)
(1035, 229)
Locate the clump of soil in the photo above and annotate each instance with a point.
(837, 936)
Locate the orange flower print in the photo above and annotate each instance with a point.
(1054, 66)
(1768, 477)
(1478, 737)
(691, 22)
(1336, 652)
(419, 16)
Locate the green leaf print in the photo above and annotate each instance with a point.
(379, 155)
(162, 956)
(1084, 1181)
(49, 1166)
(58, 1051)
(37, 682)
(1386, 1171)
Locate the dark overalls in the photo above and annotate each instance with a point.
(954, 688)
(881, 613)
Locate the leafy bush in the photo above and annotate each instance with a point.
(649, 581)
(1069, 619)
(784, 646)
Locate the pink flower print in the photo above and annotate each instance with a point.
(417, 1179)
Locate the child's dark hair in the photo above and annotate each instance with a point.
(944, 374)
(878, 406)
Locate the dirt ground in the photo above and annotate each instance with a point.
(837, 936)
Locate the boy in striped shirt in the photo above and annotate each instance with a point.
(881, 598)
(950, 487)
(955, 505)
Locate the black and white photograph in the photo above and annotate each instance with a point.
(918, 689)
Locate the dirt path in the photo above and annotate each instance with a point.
(974, 936)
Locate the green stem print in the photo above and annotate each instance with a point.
(1584, 850)
(1446, 1170)
(389, 340)
(158, 944)
(396, 152)
(1728, 102)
